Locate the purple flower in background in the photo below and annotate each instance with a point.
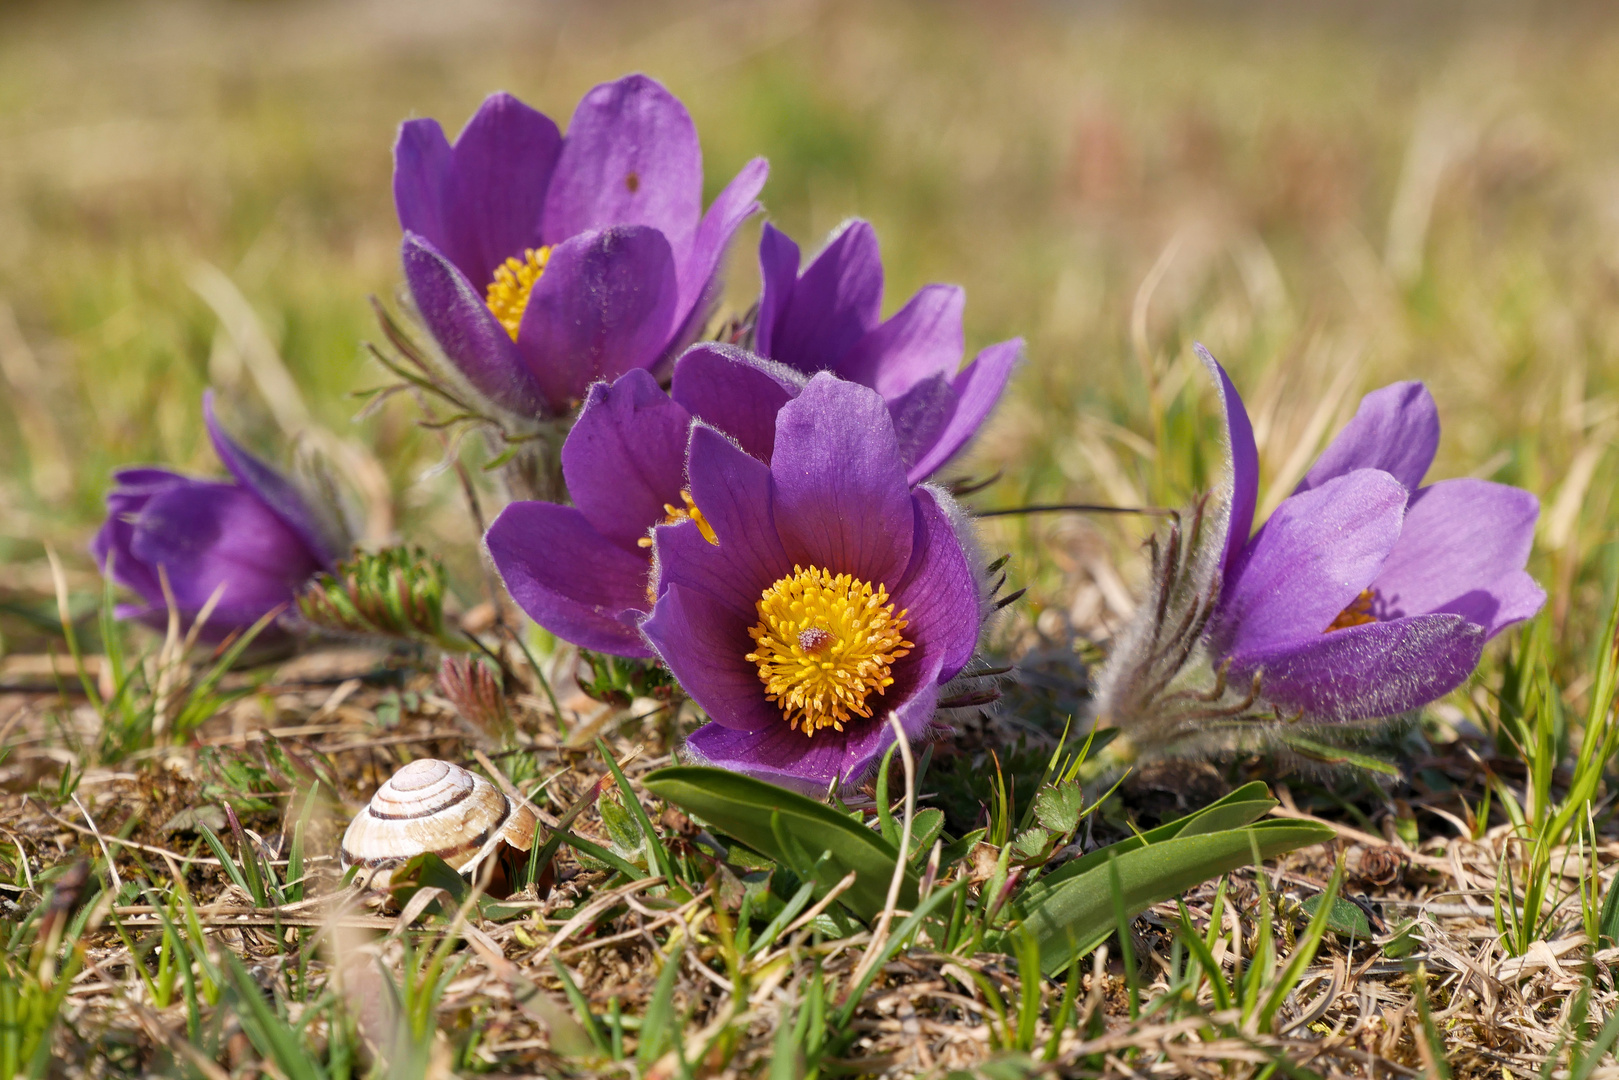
(542, 263)
(818, 594)
(829, 318)
(1366, 594)
(582, 571)
(256, 537)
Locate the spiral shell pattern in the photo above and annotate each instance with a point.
(435, 806)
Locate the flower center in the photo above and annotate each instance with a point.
(514, 280)
(674, 515)
(1358, 613)
(824, 644)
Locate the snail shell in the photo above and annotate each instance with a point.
(434, 806)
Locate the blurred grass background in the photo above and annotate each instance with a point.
(1329, 198)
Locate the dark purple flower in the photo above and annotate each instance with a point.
(1366, 594)
(829, 318)
(581, 571)
(818, 594)
(542, 263)
(256, 537)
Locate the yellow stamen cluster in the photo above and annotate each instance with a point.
(514, 280)
(824, 644)
(1358, 613)
(674, 515)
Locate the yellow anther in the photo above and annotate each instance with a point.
(674, 515)
(508, 294)
(824, 644)
(1358, 613)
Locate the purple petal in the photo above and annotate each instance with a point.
(605, 305)
(921, 339)
(481, 202)
(271, 488)
(732, 490)
(736, 392)
(626, 457)
(466, 330)
(977, 389)
(700, 273)
(841, 501)
(706, 644)
(569, 578)
(1462, 549)
(833, 303)
(809, 764)
(206, 535)
(424, 185)
(920, 417)
(778, 273)
(1373, 670)
(1243, 456)
(939, 590)
(112, 547)
(1315, 554)
(631, 157)
(1396, 429)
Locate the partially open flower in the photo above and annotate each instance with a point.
(542, 263)
(818, 594)
(829, 318)
(1363, 596)
(1366, 594)
(257, 538)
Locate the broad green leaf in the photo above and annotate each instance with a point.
(1345, 917)
(1032, 845)
(1248, 803)
(1057, 808)
(790, 828)
(1077, 915)
(925, 829)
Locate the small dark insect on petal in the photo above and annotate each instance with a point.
(632, 181)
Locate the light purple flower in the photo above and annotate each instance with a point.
(256, 537)
(582, 571)
(542, 263)
(889, 602)
(1367, 594)
(829, 318)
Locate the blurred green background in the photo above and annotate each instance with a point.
(1329, 196)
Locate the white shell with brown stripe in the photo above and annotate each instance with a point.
(434, 806)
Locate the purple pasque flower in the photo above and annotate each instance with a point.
(582, 571)
(819, 594)
(255, 536)
(541, 262)
(829, 318)
(1366, 594)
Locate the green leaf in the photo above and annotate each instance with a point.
(744, 808)
(1075, 916)
(1407, 939)
(622, 829)
(1336, 755)
(1608, 919)
(1345, 917)
(957, 850)
(1032, 846)
(925, 829)
(1248, 803)
(1058, 808)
